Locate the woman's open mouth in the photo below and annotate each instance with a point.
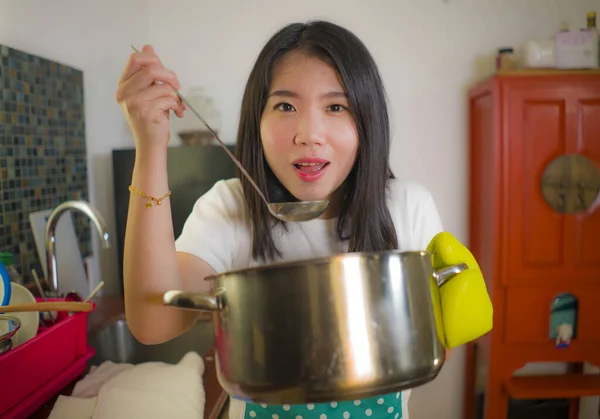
(310, 169)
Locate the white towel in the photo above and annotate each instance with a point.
(149, 390)
(155, 390)
(69, 407)
(89, 386)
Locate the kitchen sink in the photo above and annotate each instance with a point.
(116, 343)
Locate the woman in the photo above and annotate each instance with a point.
(313, 125)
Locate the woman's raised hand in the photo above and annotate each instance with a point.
(147, 94)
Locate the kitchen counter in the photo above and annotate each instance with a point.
(110, 310)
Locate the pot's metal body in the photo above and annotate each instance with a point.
(339, 328)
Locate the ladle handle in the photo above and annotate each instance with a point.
(237, 163)
(221, 143)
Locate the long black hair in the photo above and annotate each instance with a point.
(364, 218)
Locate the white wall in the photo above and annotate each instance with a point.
(429, 51)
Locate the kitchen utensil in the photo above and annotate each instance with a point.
(5, 286)
(73, 296)
(286, 211)
(9, 326)
(38, 284)
(5, 345)
(94, 291)
(345, 327)
(49, 317)
(55, 305)
(30, 320)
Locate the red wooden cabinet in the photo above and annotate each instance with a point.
(534, 143)
(545, 118)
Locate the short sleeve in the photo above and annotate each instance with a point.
(427, 222)
(216, 229)
(414, 214)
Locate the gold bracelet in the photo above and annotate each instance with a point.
(150, 198)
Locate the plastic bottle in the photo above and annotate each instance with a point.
(591, 25)
(505, 59)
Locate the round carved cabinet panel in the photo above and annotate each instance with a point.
(571, 184)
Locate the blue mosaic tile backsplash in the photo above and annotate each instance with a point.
(42, 149)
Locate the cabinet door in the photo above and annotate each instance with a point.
(583, 230)
(543, 120)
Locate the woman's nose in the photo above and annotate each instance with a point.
(310, 130)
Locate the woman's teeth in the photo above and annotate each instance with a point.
(310, 167)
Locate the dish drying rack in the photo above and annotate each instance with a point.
(35, 371)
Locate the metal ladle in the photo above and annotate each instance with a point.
(286, 211)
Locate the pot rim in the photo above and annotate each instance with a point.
(319, 261)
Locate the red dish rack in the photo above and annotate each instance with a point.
(40, 368)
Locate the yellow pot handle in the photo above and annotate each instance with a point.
(461, 303)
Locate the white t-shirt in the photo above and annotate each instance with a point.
(218, 231)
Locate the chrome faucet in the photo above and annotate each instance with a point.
(80, 206)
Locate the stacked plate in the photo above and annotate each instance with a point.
(17, 328)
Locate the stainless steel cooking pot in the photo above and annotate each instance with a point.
(339, 328)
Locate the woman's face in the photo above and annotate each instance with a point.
(309, 138)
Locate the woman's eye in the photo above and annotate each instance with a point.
(284, 107)
(336, 108)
